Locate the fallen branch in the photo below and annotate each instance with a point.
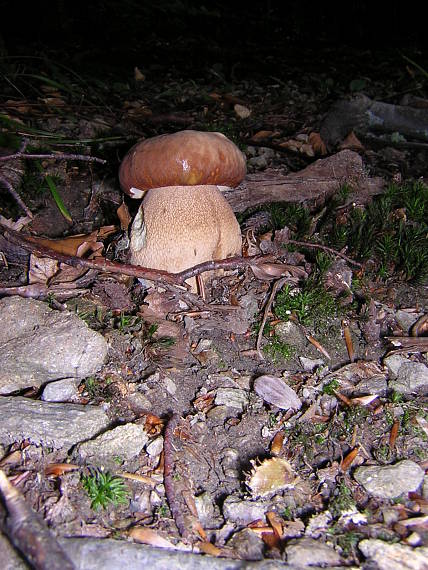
(52, 156)
(157, 275)
(29, 534)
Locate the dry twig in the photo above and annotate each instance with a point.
(29, 534)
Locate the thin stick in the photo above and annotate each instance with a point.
(58, 156)
(324, 248)
(15, 195)
(277, 285)
(28, 532)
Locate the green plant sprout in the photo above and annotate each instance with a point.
(105, 489)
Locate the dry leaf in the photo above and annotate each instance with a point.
(124, 216)
(74, 245)
(149, 536)
(276, 522)
(317, 144)
(351, 142)
(394, 433)
(58, 469)
(348, 460)
(42, 269)
(208, 548)
(277, 443)
(263, 135)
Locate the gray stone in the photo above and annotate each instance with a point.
(389, 556)
(390, 481)
(232, 398)
(393, 364)
(311, 552)
(206, 509)
(243, 511)
(40, 345)
(375, 385)
(61, 390)
(310, 364)
(154, 448)
(110, 554)
(247, 545)
(292, 334)
(51, 424)
(412, 378)
(406, 320)
(120, 444)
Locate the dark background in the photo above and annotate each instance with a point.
(239, 36)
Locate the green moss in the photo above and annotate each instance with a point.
(392, 231)
(278, 350)
(312, 305)
(104, 489)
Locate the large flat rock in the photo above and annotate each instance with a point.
(39, 345)
(46, 423)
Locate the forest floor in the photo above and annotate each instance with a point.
(305, 442)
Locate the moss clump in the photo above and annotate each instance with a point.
(392, 231)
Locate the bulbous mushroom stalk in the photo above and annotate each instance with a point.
(183, 219)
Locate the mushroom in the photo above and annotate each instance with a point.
(183, 219)
(186, 158)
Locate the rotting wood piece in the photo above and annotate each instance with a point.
(312, 186)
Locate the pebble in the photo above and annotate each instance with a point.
(113, 447)
(390, 481)
(311, 552)
(389, 556)
(61, 390)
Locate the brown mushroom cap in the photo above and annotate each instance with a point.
(185, 158)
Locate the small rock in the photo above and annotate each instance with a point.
(393, 364)
(246, 545)
(310, 364)
(311, 552)
(412, 378)
(292, 334)
(259, 162)
(155, 447)
(40, 345)
(244, 512)
(47, 423)
(232, 398)
(205, 509)
(390, 481)
(120, 444)
(394, 556)
(275, 391)
(61, 390)
(406, 320)
(170, 386)
(375, 385)
(218, 414)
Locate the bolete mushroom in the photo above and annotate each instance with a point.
(183, 219)
(185, 158)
